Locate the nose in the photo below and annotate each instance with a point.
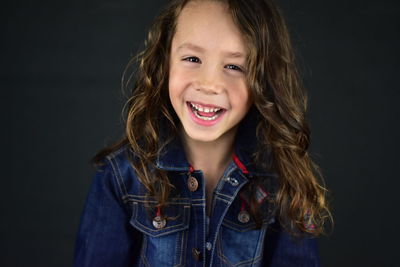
(210, 80)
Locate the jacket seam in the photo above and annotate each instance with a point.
(117, 179)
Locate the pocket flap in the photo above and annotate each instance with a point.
(177, 219)
(232, 221)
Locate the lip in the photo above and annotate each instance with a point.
(205, 105)
(203, 122)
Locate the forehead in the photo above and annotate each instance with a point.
(208, 24)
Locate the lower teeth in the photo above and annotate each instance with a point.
(205, 118)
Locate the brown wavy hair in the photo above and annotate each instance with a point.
(279, 97)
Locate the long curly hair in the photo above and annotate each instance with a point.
(279, 98)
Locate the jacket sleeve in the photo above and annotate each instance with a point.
(283, 250)
(105, 237)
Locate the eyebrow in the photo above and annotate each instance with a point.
(202, 50)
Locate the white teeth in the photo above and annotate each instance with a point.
(205, 110)
(206, 118)
(201, 109)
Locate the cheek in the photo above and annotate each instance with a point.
(173, 85)
(176, 79)
(176, 88)
(240, 96)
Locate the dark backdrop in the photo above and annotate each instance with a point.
(61, 65)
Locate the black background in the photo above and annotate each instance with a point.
(61, 66)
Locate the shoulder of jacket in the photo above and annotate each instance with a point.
(120, 165)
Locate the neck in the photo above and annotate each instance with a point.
(210, 157)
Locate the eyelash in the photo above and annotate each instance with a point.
(190, 59)
(197, 60)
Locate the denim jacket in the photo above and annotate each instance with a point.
(117, 230)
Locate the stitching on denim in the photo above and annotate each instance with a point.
(247, 262)
(120, 177)
(177, 250)
(195, 221)
(171, 168)
(203, 209)
(243, 176)
(199, 204)
(153, 202)
(184, 245)
(117, 177)
(113, 158)
(138, 198)
(256, 257)
(198, 199)
(238, 264)
(176, 228)
(220, 253)
(183, 241)
(142, 254)
(230, 169)
(114, 154)
(222, 199)
(217, 229)
(144, 196)
(241, 227)
(260, 242)
(229, 197)
(224, 259)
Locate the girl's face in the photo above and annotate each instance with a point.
(207, 83)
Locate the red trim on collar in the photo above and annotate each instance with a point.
(239, 164)
(191, 169)
(158, 213)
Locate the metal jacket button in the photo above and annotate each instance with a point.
(208, 246)
(192, 184)
(196, 254)
(232, 181)
(244, 216)
(159, 222)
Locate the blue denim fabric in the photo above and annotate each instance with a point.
(117, 230)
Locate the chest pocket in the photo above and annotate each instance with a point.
(240, 243)
(163, 246)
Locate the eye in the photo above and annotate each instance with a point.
(192, 59)
(234, 67)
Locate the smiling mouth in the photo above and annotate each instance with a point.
(205, 113)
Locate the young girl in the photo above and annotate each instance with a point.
(214, 168)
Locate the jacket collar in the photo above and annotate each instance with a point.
(172, 157)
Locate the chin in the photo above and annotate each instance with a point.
(202, 136)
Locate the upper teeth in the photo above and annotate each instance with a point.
(206, 110)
